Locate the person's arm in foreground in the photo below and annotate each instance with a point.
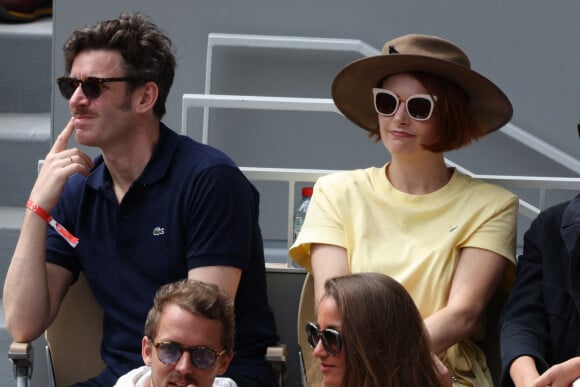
(226, 278)
(476, 277)
(563, 374)
(231, 212)
(523, 328)
(34, 289)
(327, 261)
(523, 371)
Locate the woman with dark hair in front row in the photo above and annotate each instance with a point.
(369, 333)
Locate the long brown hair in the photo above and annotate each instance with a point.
(384, 339)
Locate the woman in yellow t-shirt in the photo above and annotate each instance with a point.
(447, 238)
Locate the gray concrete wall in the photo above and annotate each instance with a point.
(25, 68)
(529, 47)
(514, 44)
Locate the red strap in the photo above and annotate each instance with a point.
(63, 232)
(38, 210)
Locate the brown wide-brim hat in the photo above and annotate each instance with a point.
(352, 87)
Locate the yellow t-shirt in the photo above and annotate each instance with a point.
(415, 239)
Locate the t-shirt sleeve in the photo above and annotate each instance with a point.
(498, 232)
(222, 208)
(58, 251)
(324, 222)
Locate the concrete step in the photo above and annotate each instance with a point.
(10, 221)
(25, 68)
(24, 139)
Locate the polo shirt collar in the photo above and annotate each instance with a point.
(156, 167)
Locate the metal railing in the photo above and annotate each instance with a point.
(271, 41)
(357, 46)
(292, 176)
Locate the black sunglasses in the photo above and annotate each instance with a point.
(419, 106)
(92, 87)
(203, 358)
(330, 338)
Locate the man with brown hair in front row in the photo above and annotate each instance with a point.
(153, 208)
(189, 338)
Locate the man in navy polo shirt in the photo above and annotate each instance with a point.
(153, 208)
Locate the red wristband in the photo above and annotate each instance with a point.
(63, 232)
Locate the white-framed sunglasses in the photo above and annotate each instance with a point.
(418, 106)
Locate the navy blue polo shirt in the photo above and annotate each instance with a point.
(191, 207)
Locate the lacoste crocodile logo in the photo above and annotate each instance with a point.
(158, 231)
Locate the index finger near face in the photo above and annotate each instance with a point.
(62, 140)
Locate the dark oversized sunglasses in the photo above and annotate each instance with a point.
(203, 358)
(92, 87)
(331, 340)
(419, 106)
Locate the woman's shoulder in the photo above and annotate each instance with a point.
(484, 188)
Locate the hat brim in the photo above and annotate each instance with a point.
(352, 88)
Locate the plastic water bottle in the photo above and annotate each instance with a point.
(300, 213)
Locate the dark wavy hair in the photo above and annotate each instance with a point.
(147, 52)
(456, 124)
(384, 339)
(198, 298)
